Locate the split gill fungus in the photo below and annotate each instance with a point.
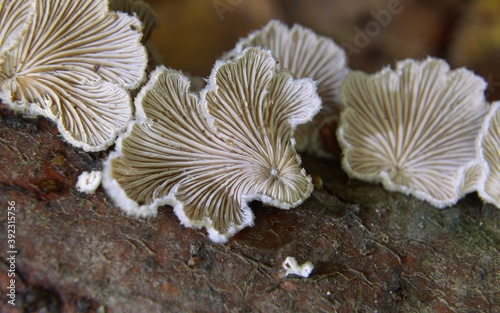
(209, 154)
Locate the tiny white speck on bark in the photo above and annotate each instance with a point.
(89, 182)
(292, 267)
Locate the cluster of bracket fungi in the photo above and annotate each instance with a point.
(420, 128)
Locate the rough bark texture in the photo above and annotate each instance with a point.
(372, 250)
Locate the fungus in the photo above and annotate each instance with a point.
(73, 66)
(413, 128)
(89, 182)
(292, 267)
(139, 9)
(145, 13)
(489, 151)
(306, 54)
(15, 18)
(472, 176)
(209, 155)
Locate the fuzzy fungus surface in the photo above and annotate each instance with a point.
(74, 65)
(305, 54)
(489, 154)
(414, 129)
(88, 182)
(209, 155)
(291, 266)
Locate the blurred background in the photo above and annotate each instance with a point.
(192, 34)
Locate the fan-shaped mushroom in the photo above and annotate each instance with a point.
(73, 66)
(413, 128)
(489, 154)
(305, 54)
(210, 155)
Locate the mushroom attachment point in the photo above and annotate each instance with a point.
(306, 54)
(414, 129)
(489, 151)
(209, 154)
(74, 65)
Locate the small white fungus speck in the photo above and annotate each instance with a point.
(292, 267)
(89, 182)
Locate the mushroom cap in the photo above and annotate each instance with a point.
(488, 147)
(413, 128)
(15, 18)
(73, 66)
(305, 54)
(209, 155)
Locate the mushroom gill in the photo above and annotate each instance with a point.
(209, 155)
(413, 128)
(488, 145)
(74, 65)
(306, 55)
